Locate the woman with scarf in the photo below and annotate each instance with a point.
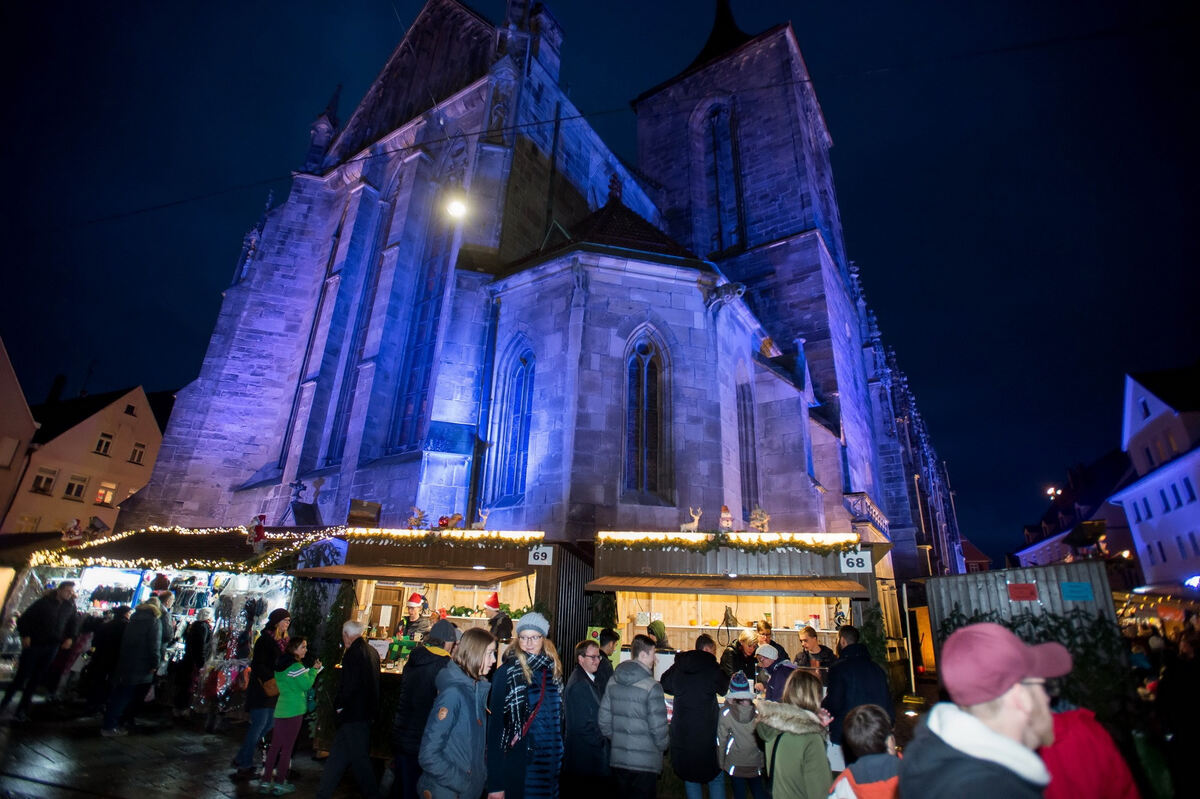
(524, 732)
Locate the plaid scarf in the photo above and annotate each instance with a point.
(517, 707)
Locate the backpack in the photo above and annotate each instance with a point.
(737, 747)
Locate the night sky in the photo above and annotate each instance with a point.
(1018, 184)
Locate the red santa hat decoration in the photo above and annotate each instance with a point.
(493, 602)
(415, 601)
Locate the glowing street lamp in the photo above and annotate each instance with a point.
(456, 207)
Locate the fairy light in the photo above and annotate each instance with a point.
(822, 542)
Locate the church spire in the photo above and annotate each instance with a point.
(724, 37)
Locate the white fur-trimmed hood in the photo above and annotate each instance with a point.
(962, 731)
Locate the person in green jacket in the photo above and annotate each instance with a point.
(795, 737)
(294, 680)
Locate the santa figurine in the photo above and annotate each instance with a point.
(416, 625)
(499, 623)
(258, 535)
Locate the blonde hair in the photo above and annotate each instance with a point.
(803, 690)
(748, 637)
(471, 652)
(548, 648)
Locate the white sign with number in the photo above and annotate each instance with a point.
(857, 561)
(541, 556)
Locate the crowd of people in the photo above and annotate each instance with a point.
(480, 715)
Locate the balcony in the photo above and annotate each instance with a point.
(863, 510)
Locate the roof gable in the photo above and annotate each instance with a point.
(57, 418)
(447, 48)
(1149, 395)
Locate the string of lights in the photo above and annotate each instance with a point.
(816, 543)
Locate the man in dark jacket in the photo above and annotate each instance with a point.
(633, 716)
(739, 656)
(354, 704)
(46, 627)
(983, 744)
(585, 750)
(418, 688)
(141, 652)
(694, 680)
(608, 638)
(106, 647)
(854, 679)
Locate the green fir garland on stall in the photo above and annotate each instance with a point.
(719, 540)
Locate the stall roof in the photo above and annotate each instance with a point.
(456, 576)
(205, 550)
(720, 584)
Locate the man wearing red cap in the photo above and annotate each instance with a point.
(499, 623)
(416, 626)
(983, 744)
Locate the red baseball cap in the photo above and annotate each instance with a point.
(982, 661)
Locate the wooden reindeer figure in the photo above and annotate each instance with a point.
(482, 523)
(694, 524)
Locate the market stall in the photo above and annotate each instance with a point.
(722, 583)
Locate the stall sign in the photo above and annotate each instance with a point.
(1077, 592)
(856, 561)
(1022, 592)
(541, 555)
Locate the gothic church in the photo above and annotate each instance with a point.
(586, 345)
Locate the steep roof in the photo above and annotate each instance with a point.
(972, 553)
(1178, 387)
(725, 38)
(58, 417)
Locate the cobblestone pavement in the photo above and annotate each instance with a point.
(59, 755)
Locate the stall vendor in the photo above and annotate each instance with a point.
(416, 625)
(499, 623)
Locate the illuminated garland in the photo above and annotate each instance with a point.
(449, 536)
(754, 543)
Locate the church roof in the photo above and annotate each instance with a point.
(1178, 387)
(725, 38)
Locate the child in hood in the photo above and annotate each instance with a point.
(737, 749)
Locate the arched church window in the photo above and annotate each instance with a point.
(723, 209)
(747, 449)
(510, 452)
(646, 467)
(412, 397)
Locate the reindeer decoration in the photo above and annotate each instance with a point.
(482, 523)
(759, 519)
(694, 524)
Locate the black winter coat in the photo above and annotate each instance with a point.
(932, 769)
(195, 646)
(734, 659)
(855, 679)
(262, 668)
(585, 749)
(694, 680)
(604, 673)
(418, 688)
(141, 647)
(357, 697)
(106, 646)
(48, 621)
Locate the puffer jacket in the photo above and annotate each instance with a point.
(452, 748)
(141, 646)
(633, 715)
(737, 748)
(797, 767)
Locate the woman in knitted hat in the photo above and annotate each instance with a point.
(525, 746)
(260, 700)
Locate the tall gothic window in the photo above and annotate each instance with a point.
(646, 467)
(747, 449)
(723, 208)
(412, 398)
(510, 453)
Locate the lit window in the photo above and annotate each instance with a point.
(138, 453)
(106, 494)
(75, 488)
(645, 464)
(103, 444)
(43, 481)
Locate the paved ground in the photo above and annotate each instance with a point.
(58, 755)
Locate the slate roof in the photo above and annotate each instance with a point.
(58, 417)
(1178, 387)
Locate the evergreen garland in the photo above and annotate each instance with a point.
(713, 541)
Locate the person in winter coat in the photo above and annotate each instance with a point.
(46, 627)
(418, 688)
(195, 654)
(774, 671)
(454, 741)
(524, 730)
(141, 652)
(261, 704)
(694, 680)
(813, 654)
(294, 680)
(1084, 761)
(767, 636)
(633, 716)
(106, 647)
(854, 679)
(739, 655)
(585, 750)
(794, 739)
(874, 770)
(608, 640)
(354, 707)
(737, 746)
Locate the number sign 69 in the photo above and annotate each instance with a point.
(541, 555)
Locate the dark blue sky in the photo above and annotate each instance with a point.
(1018, 183)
